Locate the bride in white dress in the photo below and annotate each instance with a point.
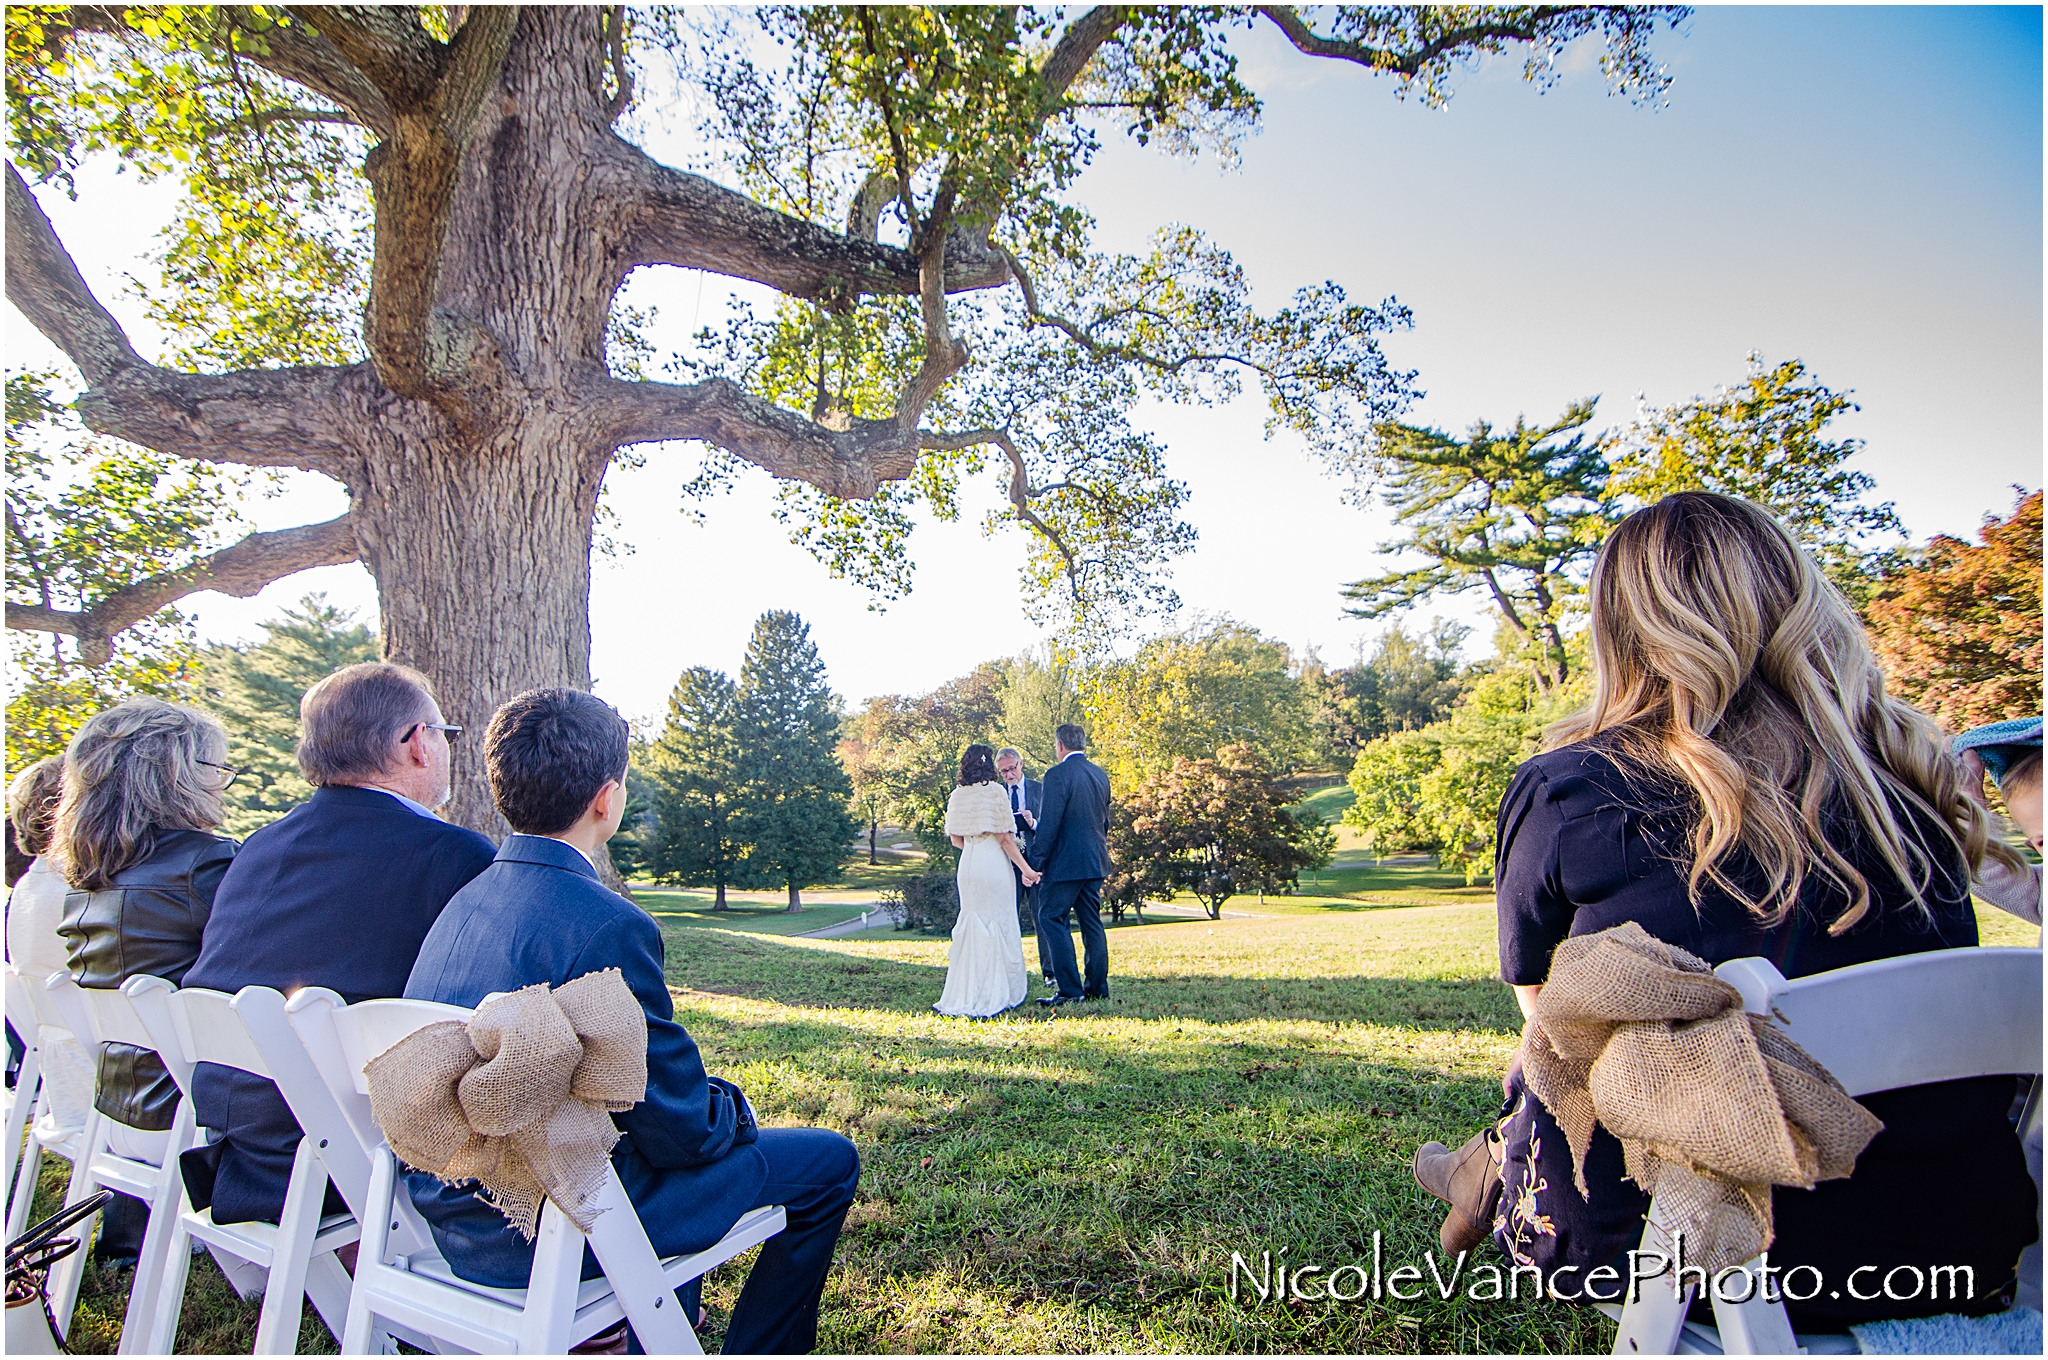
(985, 967)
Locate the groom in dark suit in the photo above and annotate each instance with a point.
(1071, 849)
(691, 1157)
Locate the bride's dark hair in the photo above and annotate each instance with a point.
(977, 765)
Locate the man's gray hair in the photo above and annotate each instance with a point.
(350, 723)
(1011, 753)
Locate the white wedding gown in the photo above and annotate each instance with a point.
(985, 972)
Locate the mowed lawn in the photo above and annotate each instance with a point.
(1080, 1183)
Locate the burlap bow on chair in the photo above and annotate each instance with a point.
(520, 1097)
(1712, 1106)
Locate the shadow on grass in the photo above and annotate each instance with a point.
(766, 969)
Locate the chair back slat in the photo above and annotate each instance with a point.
(368, 1028)
(1910, 1020)
(208, 1030)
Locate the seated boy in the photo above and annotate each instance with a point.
(691, 1158)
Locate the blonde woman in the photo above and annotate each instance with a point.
(142, 792)
(985, 966)
(1741, 785)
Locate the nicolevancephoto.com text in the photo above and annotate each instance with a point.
(1276, 1279)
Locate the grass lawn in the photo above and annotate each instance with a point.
(1080, 1183)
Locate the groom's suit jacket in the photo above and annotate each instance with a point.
(1073, 824)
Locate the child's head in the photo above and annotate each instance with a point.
(2021, 787)
(550, 752)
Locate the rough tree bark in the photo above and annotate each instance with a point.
(474, 441)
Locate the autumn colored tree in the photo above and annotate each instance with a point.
(403, 231)
(1957, 626)
(1213, 828)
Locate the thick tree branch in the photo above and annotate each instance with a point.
(265, 417)
(292, 51)
(389, 46)
(241, 569)
(1412, 61)
(849, 463)
(437, 91)
(44, 283)
(684, 219)
(1071, 54)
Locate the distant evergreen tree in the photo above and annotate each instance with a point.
(255, 692)
(793, 816)
(695, 768)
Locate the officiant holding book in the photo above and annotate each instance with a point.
(1026, 796)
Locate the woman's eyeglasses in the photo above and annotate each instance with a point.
(450, 728)
(229, 770)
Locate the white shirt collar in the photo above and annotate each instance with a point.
(577, 848)
(1070, 755)
(422, 811)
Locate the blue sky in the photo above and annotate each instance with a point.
(1858, 188)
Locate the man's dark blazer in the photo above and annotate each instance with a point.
(687, 1159)
(1034, 799)
(337, 893)
(1073, 823)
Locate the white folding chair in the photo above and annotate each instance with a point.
(46, 1131)
(418, 1290)
(192, 1026)
(28, 1084)
(98, 1016)
(1907, 1021)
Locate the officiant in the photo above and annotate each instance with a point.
(1027, 796)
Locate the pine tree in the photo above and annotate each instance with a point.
(792, 817)
(695, 769)
(255, 691)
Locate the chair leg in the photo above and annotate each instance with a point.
(69, 1273)
(1652, 1312)
(170, 1304)
(550, 1316)
(620, 1243)
(277, 1332)
(360, 1332)
(167, 1198)
(327, 1285)
(21, 1192)
(22, 1109)
(1755, 1326)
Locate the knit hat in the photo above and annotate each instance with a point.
(1999, 744)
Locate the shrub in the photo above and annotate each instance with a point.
(929, 903)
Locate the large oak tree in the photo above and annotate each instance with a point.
(433, 334)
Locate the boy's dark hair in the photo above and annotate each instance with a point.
(548, 752)
(1072, 737)
(2022, 771)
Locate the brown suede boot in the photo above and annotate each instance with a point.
(1469, 1181)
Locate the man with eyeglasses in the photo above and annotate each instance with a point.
(339, 893)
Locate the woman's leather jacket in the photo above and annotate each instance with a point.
(147, 924)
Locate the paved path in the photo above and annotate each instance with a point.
(874, 916)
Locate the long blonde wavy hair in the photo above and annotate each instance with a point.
(1723, 658)
(132, 771)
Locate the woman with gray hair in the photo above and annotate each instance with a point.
(142, 792)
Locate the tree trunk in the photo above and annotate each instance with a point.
(718, 903)
(796, 901)
(872, 860)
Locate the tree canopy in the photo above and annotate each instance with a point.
(403, 231)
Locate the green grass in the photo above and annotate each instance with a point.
(1079, 1183)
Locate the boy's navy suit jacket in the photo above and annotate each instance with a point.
(539, 914)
